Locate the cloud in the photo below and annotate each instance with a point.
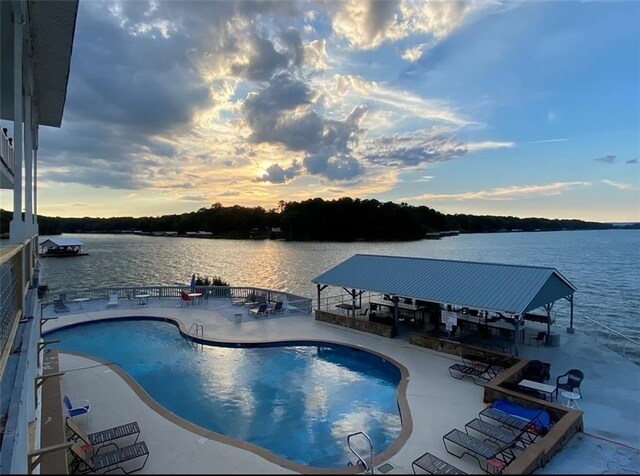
(544, 141)
(415, 53)
(607, 159)
(632, 161)
(367, 24)
(405, 104)
(618, 185)
(276, 174)
(506, 193)
(476, 146)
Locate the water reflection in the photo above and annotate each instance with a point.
(299, 402)
(604, 265)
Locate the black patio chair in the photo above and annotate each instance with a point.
(109, 461)
(493, 457)
(537, 371)
(483, 372)
(573, 380)
(540, 337)
(102, 438)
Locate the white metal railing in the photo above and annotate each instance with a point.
(626, 346)
(292, 301)
(6, 152)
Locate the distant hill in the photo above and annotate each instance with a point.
(343, 219)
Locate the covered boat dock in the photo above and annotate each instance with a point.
(442, 295)
(60, 247)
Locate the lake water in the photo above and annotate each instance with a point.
(604, 265)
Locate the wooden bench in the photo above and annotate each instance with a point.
(434, 465)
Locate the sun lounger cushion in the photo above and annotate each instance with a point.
(541, 418)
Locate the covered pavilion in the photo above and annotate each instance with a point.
(510, 291)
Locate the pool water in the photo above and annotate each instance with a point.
(299, 401)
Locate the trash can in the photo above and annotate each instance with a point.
(238, 317)
(554, 339)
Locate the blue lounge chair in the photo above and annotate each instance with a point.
(78, 407)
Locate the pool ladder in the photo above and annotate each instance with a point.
(368, 467)
(196, 330)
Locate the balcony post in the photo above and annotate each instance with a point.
(16, 227)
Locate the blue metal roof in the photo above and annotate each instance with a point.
(489, 286)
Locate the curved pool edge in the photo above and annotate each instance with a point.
(392, 450)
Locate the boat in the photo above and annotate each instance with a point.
(61, 247)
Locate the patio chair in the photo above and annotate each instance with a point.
(483, 372)
(495, 434)
(184, 298)
(540, 337)
(364, 313)
(536, 370)
(109, 461)
(258, 311)
(113, 300)
(434, 465)
(77, 407)
(103, 438)
(60, 306)
(573, 380)
(497, 458)
(277, 308)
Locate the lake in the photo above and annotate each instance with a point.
(604, 265)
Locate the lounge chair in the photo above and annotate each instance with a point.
(483, 372)
(495, 434)
(496, 458)
(573, 380)
(77, 407)
(258, 311)
(113, 300)
(102, 438)
(59, 306)
(109, 461)
(434, 465)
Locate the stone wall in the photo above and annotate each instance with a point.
(363, 325)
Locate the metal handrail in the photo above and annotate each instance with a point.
(368, 469)
(630, 339)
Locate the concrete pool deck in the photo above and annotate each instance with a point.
(437, 402)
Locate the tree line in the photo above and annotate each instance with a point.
(344, 219)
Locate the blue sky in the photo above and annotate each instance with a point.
(500, 108)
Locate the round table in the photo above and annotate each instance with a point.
(572, 399)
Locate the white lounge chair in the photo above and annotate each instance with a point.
(113, 300)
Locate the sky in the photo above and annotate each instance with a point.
(528, 108)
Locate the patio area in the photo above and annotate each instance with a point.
(437, 403)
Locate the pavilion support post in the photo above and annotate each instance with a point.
(570, 329)
(548, 307)
(353, 303)
(516, 335)
(320, 288)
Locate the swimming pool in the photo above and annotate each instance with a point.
(298, 401)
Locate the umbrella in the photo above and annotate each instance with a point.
(193, 283)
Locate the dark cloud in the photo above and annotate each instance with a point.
(607, 159)
(632, 161)
(276, 174)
